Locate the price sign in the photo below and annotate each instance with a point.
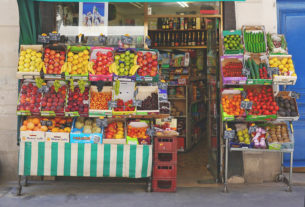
(49, 123)
(43, 39)
(100, 85)
(137, 103)
(112, 104)
(245, 72)
(102, 39)
(244, 94)
(150, 132)
(273, 71)
(246, 104)
(102, 122)
(229, 134)
(126, 40)
(295, 95)
(43, 123)
(43, 89)
(252, 129)
(41, 74)
(54, 37)
(148, 41)
(162, 85)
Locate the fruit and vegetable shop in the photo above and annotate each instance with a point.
(157, 92)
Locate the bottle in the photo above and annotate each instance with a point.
(156, 42)
(185, 39)
(163, 23)
(159, 23)
(202, 24)
(173, 39)
(168, 39)
(198, 25)
(181, 23)
(190, 40)
(167, 23)
(193, 39)
(198, 39)
(175, 24)
(185, 23)
(177, 39)
(194, 23)
(171, 23)
(178, 24)
(202, 39)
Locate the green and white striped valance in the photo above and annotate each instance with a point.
(89, 160)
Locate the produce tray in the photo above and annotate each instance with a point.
(274, 51)
(76, 136)
(120, 51)
(288, 118)
(57, 48)
(124, 78)
(76, 49)
(286, 145)
(261, 117)
(259, 82)
(97, 112)
(114, 140)
(232, 80)
(282, 79)
(148, 78)
(29, 75)
(126, 93)
(57, 137)
(32, 136)
(254, 28)
(141, 96)
(225, 116)
(228, 51)
(241, 145)
(93, 52)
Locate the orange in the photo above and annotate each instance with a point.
(44, 128)
(23, 128)
(30, 125)
(36, 129)
(25, 122)
(36, 121)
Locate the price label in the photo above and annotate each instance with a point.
(244, 94)
(43, 123)
(148, 41)
(245, 72)
(252, 129)
(102, 39)
(49, 123)
(54, 37)
(273, 71)
(295, 95)
(137, 103)
(150, 132)
(112, 104)
(126, 40)
(246, 104)
(43, 39)
(102, 122)
(229, 134)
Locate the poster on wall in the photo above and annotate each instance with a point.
(93, 14)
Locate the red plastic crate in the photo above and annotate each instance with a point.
(180, 144)
(165, 157)
(165, 144)
(164, 185)
(164, 171)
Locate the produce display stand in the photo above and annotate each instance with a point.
(261, 123)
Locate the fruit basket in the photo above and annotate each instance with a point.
(254, 38)
(232, 40)
(231, 69)
(124, 60)
(288, 108)
(230, 105)
(31, 130)
(279, 135)
(149, 67)
(54, 58)
(284, 63)
(77, 62)
(264, 106)
(149, 97)
(85, 130)
(29, 101)
(258, 67)
(77, 102)
(277, 44)
(137, 132)
(102, 57)
(54, 100)
(99, 101)
(30, 61)
(123, 95)
(115, 132)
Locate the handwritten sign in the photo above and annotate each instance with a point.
(229, 134)
(244, 94)
(137, 103)
(102, 122)
(246, 104)
(126, 40)
(295, 95)
(54, 37)
(252, 129)
(43, 39)
(245, 72)
(112, 104)
(148, 41)
(102, 39)
(273, 71)
(150, 132)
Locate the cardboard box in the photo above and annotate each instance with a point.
(32, 136)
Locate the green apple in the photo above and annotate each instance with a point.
(122, 56)
(117, 57)
(127, 52)
(131, 55)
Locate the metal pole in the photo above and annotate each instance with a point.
(225, 190)
(289, 189)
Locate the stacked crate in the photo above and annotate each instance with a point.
(165, 164)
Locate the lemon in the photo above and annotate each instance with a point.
(80, 54)
(271, 62)
(33, 58)
(290, 61)
(21, 68)
(22, 53)
(28, 51)
(32, 63)
(74, 67)
(291, 65)
(28, 56)
(70, 54)
(80, 60)
(27, 60)
(275, 65)
(75, 57)
(70, 59)
(281, 67)
(26, 70)
(38, 60)
(32, 68)
(293, 74)
(26, 65)
(39, 55)
(80, 65)
(274, 59)
(75, 62)
(86, 52)
(20, 62)
(33, 53)
(21, 57)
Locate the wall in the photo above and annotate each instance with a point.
(9, 40)
(258, 12)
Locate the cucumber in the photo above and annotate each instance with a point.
(256, 69)
(252, 74)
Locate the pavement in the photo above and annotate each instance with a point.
(106, 194)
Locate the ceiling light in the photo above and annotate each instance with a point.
(181, 4)
(185, 4)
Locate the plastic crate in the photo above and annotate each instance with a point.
(180, 144)
(164, 171)
(165, 144)
(165, 157)
(164, 185)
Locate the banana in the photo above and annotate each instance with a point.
(69, 67)
(44, 68)
(113, 68)
(135, 60)
(90, 68)
(134, 69)
(63, 68)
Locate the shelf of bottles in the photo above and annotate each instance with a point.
(183, 32)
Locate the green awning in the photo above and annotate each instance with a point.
(132, 0)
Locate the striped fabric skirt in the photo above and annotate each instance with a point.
(91, 160)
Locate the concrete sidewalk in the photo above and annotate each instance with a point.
(64, 194)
